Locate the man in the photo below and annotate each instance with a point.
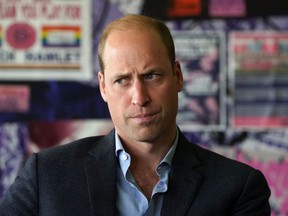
(145, 166)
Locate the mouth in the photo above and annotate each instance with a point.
(144, 118)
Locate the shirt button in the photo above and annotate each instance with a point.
(160, 170)
(124, 157)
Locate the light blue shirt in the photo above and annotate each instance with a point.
(130, 199)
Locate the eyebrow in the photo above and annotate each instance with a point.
(124, 74)
(119, 76)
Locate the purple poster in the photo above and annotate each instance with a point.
(201, 102)
(13, 138)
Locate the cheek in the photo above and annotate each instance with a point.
(118, 110)
(120, 96)
(168, 93)
(117, 101)
(169, 99)
(115, 110)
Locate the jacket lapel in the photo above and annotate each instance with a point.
(184, 180)
(100, 168)
(101, 173)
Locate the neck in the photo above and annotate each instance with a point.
(145, 157)
(147, 153)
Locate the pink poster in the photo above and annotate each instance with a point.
(259, 76)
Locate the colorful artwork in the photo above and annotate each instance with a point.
(61, 36)
(14, 98)
(51, 42)
(258, 67)
(13, 137)
(201, 102)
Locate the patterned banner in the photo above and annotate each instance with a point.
(13, 137)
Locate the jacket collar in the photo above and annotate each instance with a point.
(101, 169)
(184, 180)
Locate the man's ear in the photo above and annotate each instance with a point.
(179, 75)
(102, 85)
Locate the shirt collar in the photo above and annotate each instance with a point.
(168, 157)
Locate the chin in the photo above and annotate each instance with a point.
(147, 136)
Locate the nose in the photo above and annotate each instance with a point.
(140, 95)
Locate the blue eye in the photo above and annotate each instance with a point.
(153, 76)
(119, 80)
(150, 76)
(122, 81)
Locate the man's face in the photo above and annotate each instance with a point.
(140, 85)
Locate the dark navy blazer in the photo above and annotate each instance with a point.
(80, 179)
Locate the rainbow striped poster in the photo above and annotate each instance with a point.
(61, 36)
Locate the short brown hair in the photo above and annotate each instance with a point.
(136, 20)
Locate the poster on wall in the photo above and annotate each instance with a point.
(227, 8)
(201, 101)
(14, 98)
(13, 141)
(45, 40)
(45, 134)
(259, 77)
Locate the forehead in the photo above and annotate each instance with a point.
(142, 33)
(132, 50)
(134, 39)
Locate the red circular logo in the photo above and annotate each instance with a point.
(21, 35)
